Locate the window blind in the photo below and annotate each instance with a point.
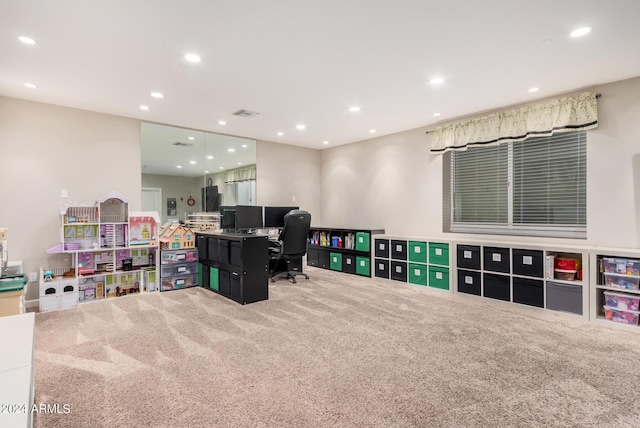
(537, 187)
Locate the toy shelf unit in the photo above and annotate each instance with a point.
(343, 250)
(113, 251)
(178, 269)
(416, 260)
(615, 298)
(543, 276)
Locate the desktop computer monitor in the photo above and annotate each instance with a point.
(228, 218)
(248, 217)
(274, 216)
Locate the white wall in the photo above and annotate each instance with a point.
(180, 188)
(393, 182)
(44, 148)
(286, 172)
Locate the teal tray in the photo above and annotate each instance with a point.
(12, 283)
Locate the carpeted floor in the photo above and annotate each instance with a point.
(336, 350)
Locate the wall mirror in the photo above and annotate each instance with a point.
(186, 172)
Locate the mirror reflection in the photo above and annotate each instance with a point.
(188, 174)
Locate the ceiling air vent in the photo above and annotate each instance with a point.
(181, 144)
(245, 113)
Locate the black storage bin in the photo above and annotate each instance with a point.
(528, 291)
(528, 263)
(497, 287)
(324, 260)
(496, 259)
(234, 284)
(223, 285)
(398, 249)
(212, 249)
(235, 253)
(313, 258)
(564, 297)
(469, 282)
(203, 247)
(468, 256)
(223, 251)
(382, 248)
(398, 271)
(348, 263)
(382, 268)
(205, 275)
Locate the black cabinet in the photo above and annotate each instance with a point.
(353, 246)
(242, 265)
(398, 249)
(496, 259)
(497, 286)
(381, 248)
(469, 282)
(399, 270)
(528, 262)
(528, 291)
(469, 256)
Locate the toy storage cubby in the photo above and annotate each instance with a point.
(343, 250)
(615, 277)
(416, 260)
(543, 276)
(113, 253)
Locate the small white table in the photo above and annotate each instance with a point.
(17, 369)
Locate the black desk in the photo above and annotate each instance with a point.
(235, 265)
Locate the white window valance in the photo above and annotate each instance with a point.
(245, 173)
(539, 120)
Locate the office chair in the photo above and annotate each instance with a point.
(290, 246)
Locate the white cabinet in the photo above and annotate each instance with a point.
(538, 275)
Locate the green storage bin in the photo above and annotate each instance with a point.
(363, 266)
(214, 280)
(363, 241)
(439, 277)
(438, 254)
(417, 252)
(200, 273)
(335, 261)
(417, 274)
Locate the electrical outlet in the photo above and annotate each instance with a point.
(33, 276)
(64, 193)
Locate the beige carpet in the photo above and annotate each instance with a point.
(335, 350)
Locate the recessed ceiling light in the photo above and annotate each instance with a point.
(301, 126)
(222, 122)
(325, 142)
(580, 32)
(436, 114)
(534, 89)
(209, 157)
(280, 134)
(179, 166)
(192, 162)
(221, 167)
(244, 146)
(206, 171)
(192, 138)
(27, 40)
(436, 80)
(144, 107)
(231, 150)
(354, 109)
(239, 163)
(191, 57)
(157, 95)
(31, 85)
(373, 131)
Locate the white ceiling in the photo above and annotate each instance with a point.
(297, 61)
